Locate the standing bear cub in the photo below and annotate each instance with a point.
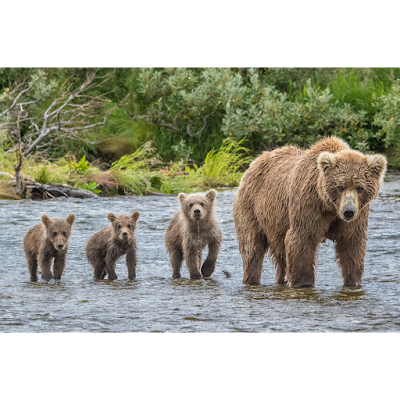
(106, 247)
(193, 228)
(290, 200)
(46, 241)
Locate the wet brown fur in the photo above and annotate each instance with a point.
(290, 200)
(46, 241)
(107, 246)
(184, 231)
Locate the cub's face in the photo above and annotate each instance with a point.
(350, 180)
(58, 230)
(124, 225)
(197, 206)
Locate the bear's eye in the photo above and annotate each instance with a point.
(119, 226)
(360, 189)
(341, 188)
(65, 233)
(54, 233)
(129, 227)
(202, 204)
(191, 205)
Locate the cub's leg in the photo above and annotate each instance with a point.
(209, 264)
(32, 266)
(59, 265)
(191, 256)
(99, 270)
(176, 259)
(110, 268)
(45, 259)
(131, 261)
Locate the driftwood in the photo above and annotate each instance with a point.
(150, 193)
(38, 191)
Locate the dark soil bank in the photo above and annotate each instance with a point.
(156, 303)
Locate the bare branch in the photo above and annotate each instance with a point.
(202, 129)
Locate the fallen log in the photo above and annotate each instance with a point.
(39, 191)
(150, 193)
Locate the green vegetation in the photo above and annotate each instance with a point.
(185, 129)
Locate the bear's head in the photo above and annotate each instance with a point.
(58, 230)
(349, 180)
(197, 206)
(124, 225)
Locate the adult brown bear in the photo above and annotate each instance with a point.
(290, 200)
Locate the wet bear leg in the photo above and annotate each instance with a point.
(59, 265)
(33, 267)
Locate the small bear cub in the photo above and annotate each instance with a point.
(46, 241)
(106, 247)
(193, 228)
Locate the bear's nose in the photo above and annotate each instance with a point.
(196, 212)
(125, 233)
(60, 246)
(348, 214)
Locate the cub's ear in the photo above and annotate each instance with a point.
(182, 197)
(211, 194)
(111, 217)
(45, 220)
(326, 161)
(71, 219)
(377, 164)
(135, 216)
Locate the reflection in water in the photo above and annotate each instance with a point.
(154, 302)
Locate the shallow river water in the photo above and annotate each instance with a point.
(157, 303)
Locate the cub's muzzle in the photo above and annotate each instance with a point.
(197, 213)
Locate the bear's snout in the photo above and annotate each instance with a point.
(60, 246)
(124, 234)
(197, 213)
(348, 214)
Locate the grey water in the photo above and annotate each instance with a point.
(154, 302)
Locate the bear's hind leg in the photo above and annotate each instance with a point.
(279, 261)
(99, 270)
(253, 258)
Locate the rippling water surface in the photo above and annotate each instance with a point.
(156, 303)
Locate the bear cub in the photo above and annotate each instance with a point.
(46, 241)
(193, 228)
(106, 247)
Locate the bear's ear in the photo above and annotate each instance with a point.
(71, 219)
(111, 217)
(377, 163)
(45, 220)
(326, 161)
(211, 194)
(135, 216)
(182, 197)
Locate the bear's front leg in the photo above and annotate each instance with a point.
(131, 261)
(301, 257)
(110, 267)
(191, 255)
(45, 259)
(350, 253)
(209, 264)
(176, 259)
(59, 265)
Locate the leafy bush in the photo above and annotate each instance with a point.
(388, 119)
